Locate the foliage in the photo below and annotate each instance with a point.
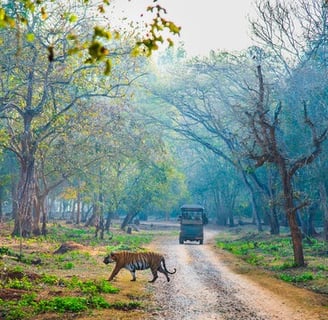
(49, 279)
(306, 276)
(78, 294)
(63, 304)
(274, 253)
(29, 305)
(128, 242)
(96, 47)
(21, 284)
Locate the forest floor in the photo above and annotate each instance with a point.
(210, 283)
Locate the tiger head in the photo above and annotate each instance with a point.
(110, 258)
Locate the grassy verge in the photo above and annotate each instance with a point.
(41, 284)
(275, 254)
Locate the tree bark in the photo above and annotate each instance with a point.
(324, 204)
(128, 218)
(25, 193)
(296, 233)
(264, 131)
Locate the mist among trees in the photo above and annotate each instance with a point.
(87, 138)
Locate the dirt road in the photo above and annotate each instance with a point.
(206, 288)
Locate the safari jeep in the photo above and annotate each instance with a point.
(192, 221)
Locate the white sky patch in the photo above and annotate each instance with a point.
(206, 24)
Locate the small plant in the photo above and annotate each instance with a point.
(28, 300)
(286, 265)
(68, 265)
(88, 287)
(23, 309)
(63, 304)
(4, 250)
(105, 287)
(304, 277)
(126, 305)
(49, 279)
(93, 287)
(73, 283)
(98, 302)
(254, 259)
(22, 284)
(128, 242)
(15, 313)
(322, 267)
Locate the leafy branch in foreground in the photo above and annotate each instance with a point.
(96, 48)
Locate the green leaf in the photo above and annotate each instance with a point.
(72, 18)
(108, 67)
(30, 37)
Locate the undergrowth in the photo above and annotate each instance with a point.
(28, 289)
(275, 254)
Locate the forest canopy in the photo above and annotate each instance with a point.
(92, 128)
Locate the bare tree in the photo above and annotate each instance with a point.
(269, 148)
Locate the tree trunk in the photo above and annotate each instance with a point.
(108, 220)
(1, 204)
(44, 217)
(25, 192)
(255, 212)
(291, 211)
(273, 213)
(36, 217)
(272, 153)
(14, 199)
(128, 218)
(274, 221)
(311, 232)
(78, 209)
(324, 204)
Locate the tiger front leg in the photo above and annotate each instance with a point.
(114, 273)
(133, 273)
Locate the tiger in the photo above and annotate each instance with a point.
(133, 261)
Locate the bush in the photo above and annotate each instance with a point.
(63, 304)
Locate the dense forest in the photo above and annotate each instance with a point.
(94, 126)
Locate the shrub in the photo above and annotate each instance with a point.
(304, 277)
(63, 304)
(22, 284)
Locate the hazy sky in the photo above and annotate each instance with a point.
(206, 24)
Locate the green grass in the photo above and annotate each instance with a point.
(21, 284)
(275, 253)
(77, 295)
(304, 277)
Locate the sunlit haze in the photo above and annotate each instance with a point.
(206, 24)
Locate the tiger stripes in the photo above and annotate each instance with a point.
(134, 261)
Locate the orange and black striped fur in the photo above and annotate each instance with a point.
(133, 261)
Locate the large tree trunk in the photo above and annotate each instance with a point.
(78, 208)
(36, 216)
(269, 143)
(1, 204)
(255, 212)
(128, 219)
(324, 204)
(291, 211)
(274, 221)
(25, 192)
(109, 217)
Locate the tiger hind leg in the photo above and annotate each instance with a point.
(162, 270)
(155, 275)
